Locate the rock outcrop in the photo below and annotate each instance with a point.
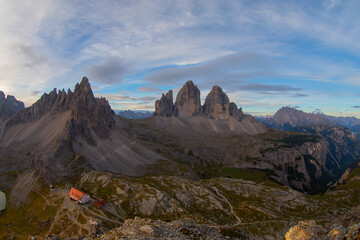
(165, 106)
(187, 102)
(347, 227)
(9, 105)
(305, 230)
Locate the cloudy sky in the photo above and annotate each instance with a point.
(264, 54)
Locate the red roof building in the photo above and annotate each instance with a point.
(79, 196)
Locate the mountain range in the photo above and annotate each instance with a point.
(135, 114)
(287, 118)
(211, 162)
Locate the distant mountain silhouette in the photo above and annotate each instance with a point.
(351, 123)
(288, 118)
(135, 114)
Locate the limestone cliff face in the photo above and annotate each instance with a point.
(9, 105)
(187, 102)
(217, 104)
(165, 106)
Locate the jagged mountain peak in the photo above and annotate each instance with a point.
(2, 96)
(82, 104)
(83, 88)
(164, 106)
(217, 104)
(9, 105)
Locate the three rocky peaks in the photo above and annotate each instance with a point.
(216, 106)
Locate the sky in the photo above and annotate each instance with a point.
(263, 54)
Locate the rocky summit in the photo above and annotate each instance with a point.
(216, 104)
(188, 101)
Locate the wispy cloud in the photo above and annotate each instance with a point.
(109, 71)
(31, 57)
(299, 95)
(148, 89)
(36, 92)
(116, 97)
(225, 70)
(268, 88)
(329, 4)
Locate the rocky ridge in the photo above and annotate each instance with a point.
(83, 106)
(352, 123)
(64, 132)
(9, 105)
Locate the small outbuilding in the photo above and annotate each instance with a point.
(100, 203)
(79, 196)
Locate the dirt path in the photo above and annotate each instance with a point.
(47, 201)
(231, 207)
(70, 211)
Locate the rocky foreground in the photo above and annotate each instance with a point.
(141, 228)
(347, 227)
